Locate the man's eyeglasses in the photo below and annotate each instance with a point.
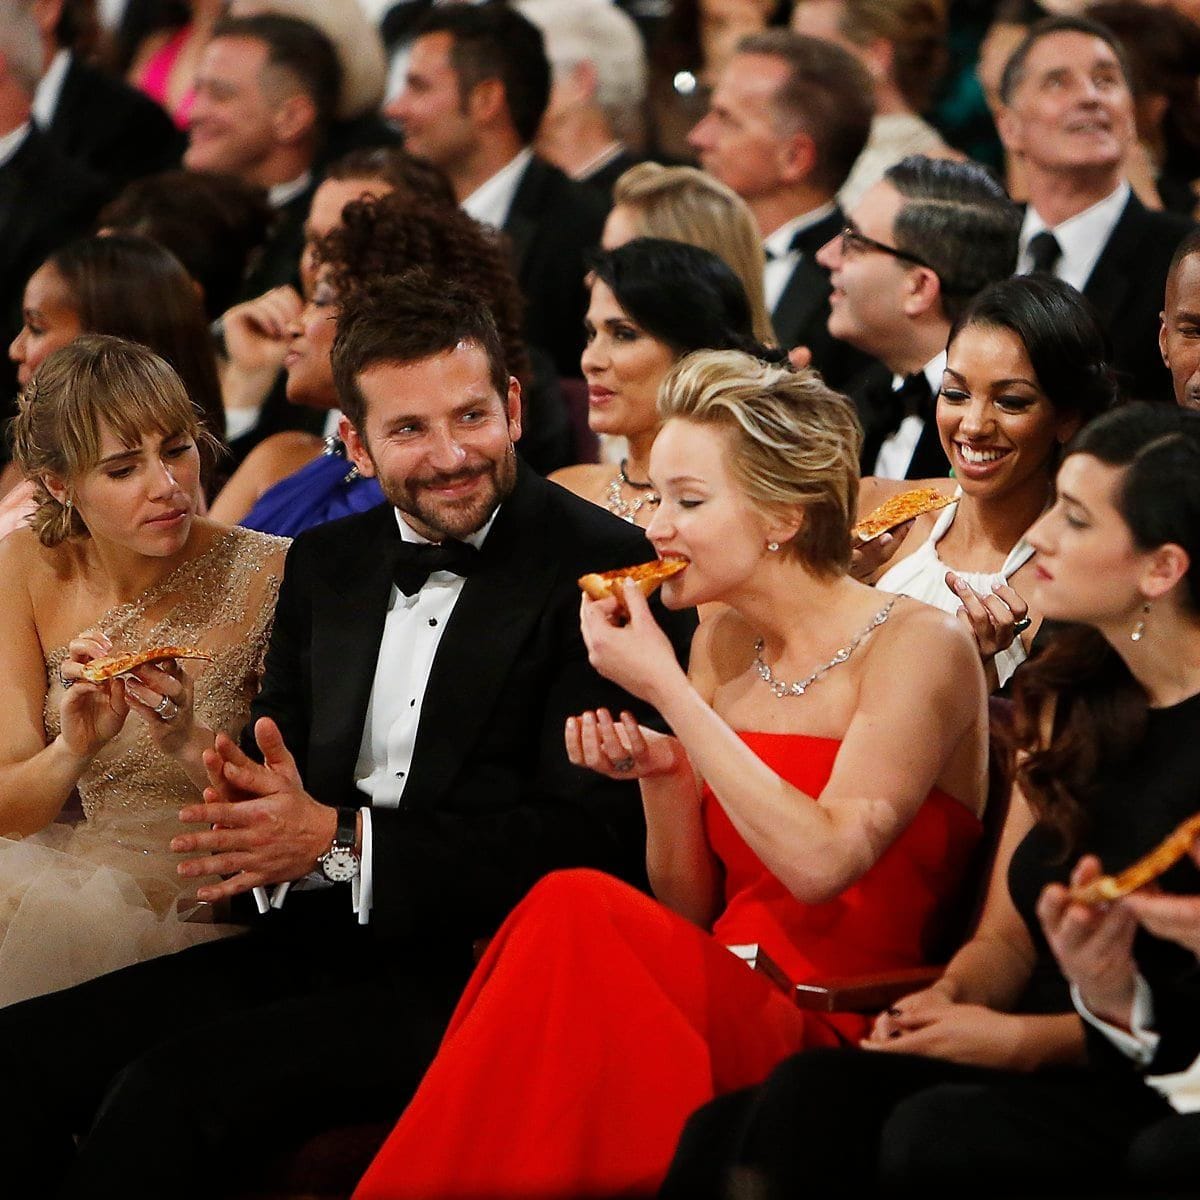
(855, 242)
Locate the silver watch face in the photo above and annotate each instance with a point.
(340, 865)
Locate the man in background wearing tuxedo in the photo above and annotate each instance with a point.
(918, 245)
(788, 119)
(414, 783)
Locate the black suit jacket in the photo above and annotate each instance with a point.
(492, 803)
(801, 314)
(278, 260)
(552, 224)
(1126, 286)
(112, 129)
(871, 394)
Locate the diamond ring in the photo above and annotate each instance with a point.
(160, 709)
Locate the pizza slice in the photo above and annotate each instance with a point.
(99, 670)
(647, 575)
(897, 509)
(1147, 869)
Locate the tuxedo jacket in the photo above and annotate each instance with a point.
(112, 129)
(491, 803)
(871, 394)
(552, 225)
(277, 262)
(801, 315)
(1126, 287)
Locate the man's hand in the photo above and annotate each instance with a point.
(1093, 945)
(265, 827)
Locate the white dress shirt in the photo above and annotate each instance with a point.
(1082, 238)
(282, 193)
(10, 143)
(898, 448)
(490, 201)
(49, 88)
(781, 258)
(1181, 1090)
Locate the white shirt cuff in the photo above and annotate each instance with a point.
(1139, 1042)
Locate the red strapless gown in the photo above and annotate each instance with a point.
(598, 1019)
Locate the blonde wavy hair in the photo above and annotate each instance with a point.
(793, 444)
(95, 383)
(683, 204)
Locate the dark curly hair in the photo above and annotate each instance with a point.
(1099, 707)
(390, 235)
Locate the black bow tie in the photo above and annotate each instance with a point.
(914, 397)
(416, 561)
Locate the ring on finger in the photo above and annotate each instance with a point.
(1022, 625)
(624, 764)
(166, 709)
(66, 683)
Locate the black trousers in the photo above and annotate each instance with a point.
(882, 1124)
(169, 1077)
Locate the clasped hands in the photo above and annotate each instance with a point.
(265, 828)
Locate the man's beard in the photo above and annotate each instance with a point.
(454, 518)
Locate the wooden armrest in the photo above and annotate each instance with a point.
(863, 993)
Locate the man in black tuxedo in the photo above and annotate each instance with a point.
(477, 85)
(918, 245)
(1179, 332)
(424, 658)
(93, 118)
(1067, 118)
(788, 119)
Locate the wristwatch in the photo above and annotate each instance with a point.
(341, 863)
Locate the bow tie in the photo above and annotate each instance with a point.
(805, 242)
(914, 397)
(416, 561)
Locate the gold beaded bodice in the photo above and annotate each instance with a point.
(222, 601)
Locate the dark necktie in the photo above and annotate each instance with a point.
(914, 397)
(1044, 251)
(416, 561)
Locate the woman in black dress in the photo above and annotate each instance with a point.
(985, 1081)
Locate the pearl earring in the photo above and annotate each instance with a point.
(1139, 629)
(773, 546)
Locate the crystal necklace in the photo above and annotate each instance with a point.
(618, 505)
(781, 688)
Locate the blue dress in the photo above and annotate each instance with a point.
(323, 490)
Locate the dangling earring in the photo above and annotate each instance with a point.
(773, 546)
(1139, 628)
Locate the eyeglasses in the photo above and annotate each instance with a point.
(853, 241)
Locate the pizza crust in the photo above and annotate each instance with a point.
(897, 509)
(1147, 869)
(648, 576)
(100, 670)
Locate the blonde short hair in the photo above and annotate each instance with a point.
(95, 382)
(794, 443)
(683, 204)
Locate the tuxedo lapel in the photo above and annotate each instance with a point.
(1116, 268)
(520, 225)
(349, 608)
(501, 598)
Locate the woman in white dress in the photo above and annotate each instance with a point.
(116, 559)
(1025, 370)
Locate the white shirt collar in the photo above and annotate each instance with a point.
(779, 243)
(489, 203)
(284, 193)
(49, 88)
(10, 143)
(1082, 237)
(476, 539)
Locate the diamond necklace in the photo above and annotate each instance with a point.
(618, 505)
(781, 688)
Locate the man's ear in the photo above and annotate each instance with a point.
(1162, 339)
(487, 102)
(294, 119)
(512, 408)
(356, 448)
(798, 158)
(1165, 567)
(923, 292)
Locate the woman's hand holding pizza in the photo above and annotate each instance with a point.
(161, 695)
(90, 714)
(636, 654)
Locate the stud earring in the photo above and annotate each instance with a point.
(1139, 628)
(773, 546)
(68, 504)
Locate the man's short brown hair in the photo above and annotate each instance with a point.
(405, 319)
(827, 95)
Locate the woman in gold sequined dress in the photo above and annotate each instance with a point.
(116, 558)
